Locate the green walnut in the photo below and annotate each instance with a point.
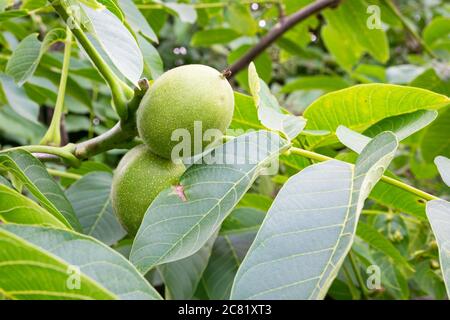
(195, 98)
(139, 178)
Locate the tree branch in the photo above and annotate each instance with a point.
(283, 26)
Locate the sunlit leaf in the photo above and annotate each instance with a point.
(48, 258)
(16, 208)
(359, 107)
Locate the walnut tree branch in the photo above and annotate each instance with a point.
(283, 26)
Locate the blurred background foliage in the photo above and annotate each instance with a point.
(324, 53)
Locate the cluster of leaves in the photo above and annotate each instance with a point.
(367, 97)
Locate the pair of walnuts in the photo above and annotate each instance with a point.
(177, 100)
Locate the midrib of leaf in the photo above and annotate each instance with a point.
(350, 205)
(59, 260)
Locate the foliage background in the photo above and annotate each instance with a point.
(322, 54)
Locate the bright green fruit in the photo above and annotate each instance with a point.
(139, 178)
(177, 99)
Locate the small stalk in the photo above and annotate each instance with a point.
(320, 157)
(53, 134)
(209, 5)
(64, 174)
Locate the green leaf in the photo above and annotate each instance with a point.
(309, 229)
(429, 281)
(50, 258)
(443, 165)
(430, 80)
(438, 30)
(212, 190)
(325, 83)
(19, 129)
(91, 200)
(182, 277)
(226, 256)
(153, 63)
(359, 107)
(350, 19)
(32, 173)
(85, 168)
(18, 99)
(213, 36)
(33, 4)
(269, 111)
(11, 14)
(242, 220)
(403, 74)
(403, 126)
(240, 19)
(185, 12)
(112, 6)
(5, 182)
(257, 201)
(245, 116)
(378, 241)
(23, 60)
(117, 42)
(435, 141)
(16, 208)
(27, 55)
(137, 21)
(438, 212)
(94, 4)
(391, 196)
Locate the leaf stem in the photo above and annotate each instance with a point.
(53, 134)
(120, 91)
(63, 174)
(320, 157)
(410, 29)
(66, 152)
(210, 5)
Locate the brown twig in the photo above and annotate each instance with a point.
(283, 26)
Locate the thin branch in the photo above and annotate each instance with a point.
(283, 26)
(409, 28)
(206, 5)
(119, 89)
(389, 180)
